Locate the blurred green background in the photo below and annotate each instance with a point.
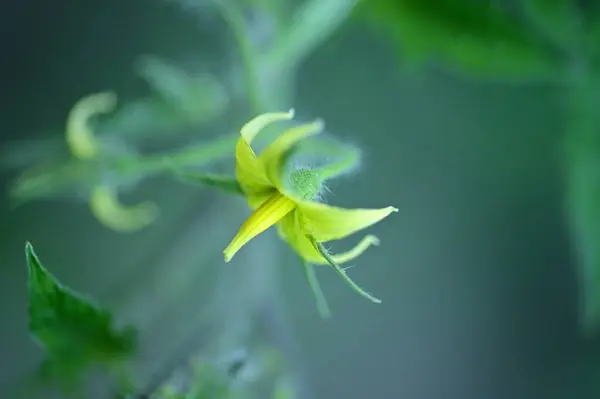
(476, 271)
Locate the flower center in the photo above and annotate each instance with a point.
(306, 183)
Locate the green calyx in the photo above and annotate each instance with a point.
(306, 183)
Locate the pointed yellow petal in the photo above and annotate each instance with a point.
(274, 155)
(255, 125)
(326, 223)
(269, 213)
(79, 136)
(250, 173)
(290, 230)
(105, 206)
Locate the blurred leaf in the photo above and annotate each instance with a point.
(557, 19)
(74, 332)
(208, 382)
(198, 97)
(475, 37)
(283, 389)
(55, 179)
(591, 13)
(314, 21)
(227, 184)
(583, 196)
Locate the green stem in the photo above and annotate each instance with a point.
(339, 270)
(320, 298)
(234, 17)
(194, 156)
(314, 22)
(227, 184)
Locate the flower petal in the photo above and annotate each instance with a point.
(265, 216)
(250, 173)
(289, 229)
(326, 223)
(80, 138)
(273, 156)
(258, 123)
(105, 206)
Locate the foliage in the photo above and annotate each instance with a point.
(555, 41)
(475, 37)
(74, 332)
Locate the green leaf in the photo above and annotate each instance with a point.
(557, 19)
(226, 184)
(74, 332)
(592, 17)
(474, 37)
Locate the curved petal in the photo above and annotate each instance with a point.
(105, 206)
(289, 229)
(273, 156)
(326, 223)
(258, 123)
(355, 251)
(79, 136)
(250, 173)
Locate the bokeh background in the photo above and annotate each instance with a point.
(477, 270)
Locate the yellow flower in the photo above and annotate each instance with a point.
(288, 200)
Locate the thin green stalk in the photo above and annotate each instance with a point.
(314, 22)
(228, 184)
(193, 156)
(339, 270)
(249, 58)
(320, 298)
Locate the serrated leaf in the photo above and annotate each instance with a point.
(474, 37)
(74, 332)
